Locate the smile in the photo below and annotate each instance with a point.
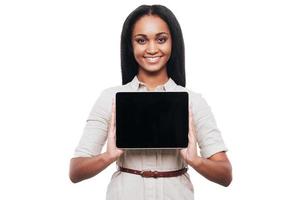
(152, 59)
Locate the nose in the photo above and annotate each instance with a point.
(152, 48)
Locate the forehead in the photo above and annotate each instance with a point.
(150, 24)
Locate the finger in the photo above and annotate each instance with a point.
(113, 114)
(183, 152)
(191, 120)
(113, 117)
(120, 150)
(192, 140)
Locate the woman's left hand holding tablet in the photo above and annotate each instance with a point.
(190, 154)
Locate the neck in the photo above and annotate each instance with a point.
(152, 80)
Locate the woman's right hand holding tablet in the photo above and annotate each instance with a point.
(113, 152)
(82, 168)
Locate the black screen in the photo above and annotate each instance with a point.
(152, 119)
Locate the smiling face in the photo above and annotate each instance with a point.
(152, 43)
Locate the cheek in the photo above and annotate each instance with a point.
(167, 48)
(138, 51)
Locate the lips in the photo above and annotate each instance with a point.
(154, 59)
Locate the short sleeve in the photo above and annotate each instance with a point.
(95, 131)
(208, 135)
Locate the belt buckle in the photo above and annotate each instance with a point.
(148, 174)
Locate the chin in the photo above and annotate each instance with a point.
(152, 69)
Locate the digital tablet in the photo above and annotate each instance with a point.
(151, 120)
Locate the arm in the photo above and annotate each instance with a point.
(216, 168)
(86, 167)
(82, 168)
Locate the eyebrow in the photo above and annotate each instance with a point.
(155, 34)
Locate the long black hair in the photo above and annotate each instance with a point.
(175, 65)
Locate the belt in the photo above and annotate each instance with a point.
(154, 174)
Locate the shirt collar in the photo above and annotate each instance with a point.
(168, 86)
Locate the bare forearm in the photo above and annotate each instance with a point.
(82, 168)
(217, 171)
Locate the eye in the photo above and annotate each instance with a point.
(162, 40)
(141, 41)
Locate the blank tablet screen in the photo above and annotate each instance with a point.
(152, 119)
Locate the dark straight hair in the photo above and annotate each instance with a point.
(175, 64)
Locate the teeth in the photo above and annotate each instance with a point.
(155, 59)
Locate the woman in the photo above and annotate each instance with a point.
(152, 59)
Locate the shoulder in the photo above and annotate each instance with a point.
(196, 100)
(107, 97)
(194, 97)
(110, 92)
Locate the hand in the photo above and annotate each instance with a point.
(189, 154)
(111, 149)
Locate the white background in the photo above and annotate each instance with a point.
(57, 56)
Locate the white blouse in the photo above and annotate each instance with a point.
(125, 186)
